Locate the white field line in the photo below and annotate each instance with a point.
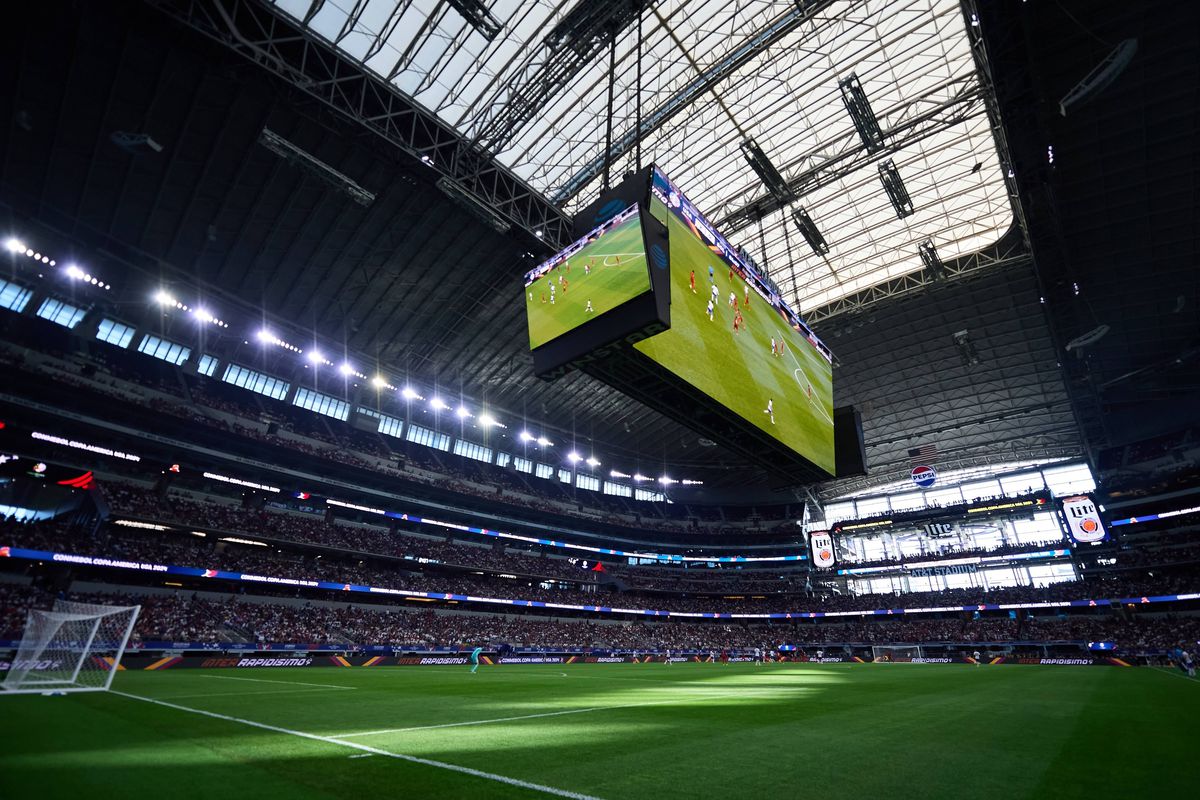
(543, 714)
(244, 694)
(268, 680)
(1172, 671)
(537, 787)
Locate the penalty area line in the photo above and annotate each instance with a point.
(368, 750)
(268, 680)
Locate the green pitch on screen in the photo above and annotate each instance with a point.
(787, 392)
(604, 273)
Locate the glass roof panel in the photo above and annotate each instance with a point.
(912, 57)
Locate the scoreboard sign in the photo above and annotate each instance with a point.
(1083, 519)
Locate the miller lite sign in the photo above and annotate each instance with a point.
(820, 544)
(1083, 519)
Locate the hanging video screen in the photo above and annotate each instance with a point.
(733, 338)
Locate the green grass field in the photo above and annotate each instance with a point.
(612, 731)
(738, 369)
(607, 272)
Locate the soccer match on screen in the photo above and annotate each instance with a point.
(595, 275)
(599, 399)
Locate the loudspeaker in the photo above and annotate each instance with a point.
(849, 450)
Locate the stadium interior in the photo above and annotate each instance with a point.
(268, 378)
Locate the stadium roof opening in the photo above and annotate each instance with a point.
(716, 74)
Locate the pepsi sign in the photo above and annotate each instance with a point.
(924, 476)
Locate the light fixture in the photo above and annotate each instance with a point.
(487, 420)
(314, 357)
(346, 369)
(574, 457)
(544, 442)
(665, 481)
(592, 461)
(637, 476)
(462, 412)
(438, 404)
(526, 436)
(379, 382)
(409, 393)
(163, 299)
(14, 245)
(616, 474)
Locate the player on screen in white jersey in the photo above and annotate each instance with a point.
(668, 658)
(770, 409)
(716, 294)
(709, 310)
(551, 292)
(588, 309)
(977, 658)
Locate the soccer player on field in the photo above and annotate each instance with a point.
(551, 292)
(475, 659)
(977, 657)
(692, 281)
(709, 310)
(732, 300)
(668, 659)
(746, 301)
(716, 295)
(770, 409)
(588, 309)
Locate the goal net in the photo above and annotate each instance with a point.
(76, 647)
(896, 654)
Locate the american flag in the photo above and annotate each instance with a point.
(925, 454)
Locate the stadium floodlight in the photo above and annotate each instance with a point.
(265, 336)
(574, 457)
(526, 436)
(666, 481)
(618, 474)
(75, 273)
(864, 119)
(409, 393)
(544, 442)
(468, 200)
(164, 299)
(379, 382)
(204, 315)
(477, 15)
(808, 229)
(14, 245)
(893, 185)
(488, 421)
(932, 261)
(637, 476)
(438, 404)
(462, 412)
(766, 171)
(314, 356)
(346, 369)
(592, 461)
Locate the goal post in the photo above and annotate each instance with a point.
(892, 654)
(75, 647)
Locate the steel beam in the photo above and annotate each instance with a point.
(804, 11)
(285, 48)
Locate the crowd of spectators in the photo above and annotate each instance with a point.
(211, 552)
(184, 617)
